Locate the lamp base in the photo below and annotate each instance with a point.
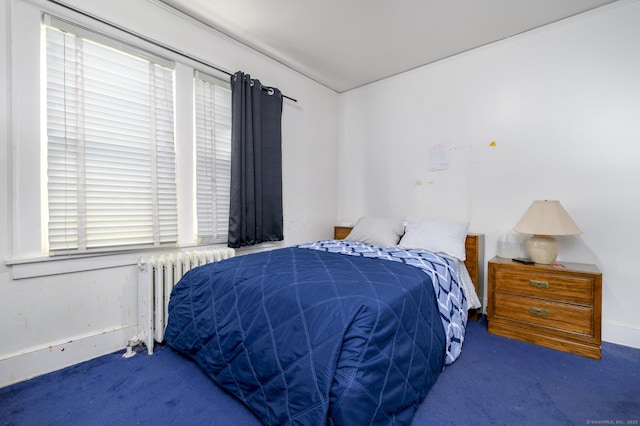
(542, 249)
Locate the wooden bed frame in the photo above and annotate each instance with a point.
(474, 247)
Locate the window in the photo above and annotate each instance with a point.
(37, 177)
(121, 167)
(213, 157)
(110, 145)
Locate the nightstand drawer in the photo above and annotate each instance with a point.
(559, 307)
(556, 287)
(558, 316)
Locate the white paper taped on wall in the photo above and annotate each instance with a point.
(438, 157)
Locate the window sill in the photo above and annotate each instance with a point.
(42, 266)
(46, 266)
(32, 267)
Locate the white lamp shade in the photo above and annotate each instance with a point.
(547, 217)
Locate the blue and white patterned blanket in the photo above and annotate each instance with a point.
(443, 271)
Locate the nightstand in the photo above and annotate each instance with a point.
(559, 307)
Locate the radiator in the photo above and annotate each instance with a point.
(156, 277)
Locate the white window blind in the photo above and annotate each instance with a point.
(213, 157)
(111, 178)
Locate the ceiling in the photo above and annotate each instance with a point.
(344, 44)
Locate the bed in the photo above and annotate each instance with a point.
(329, 332)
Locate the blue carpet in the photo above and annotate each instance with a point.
(496, 381)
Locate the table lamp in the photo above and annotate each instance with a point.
(545, 219)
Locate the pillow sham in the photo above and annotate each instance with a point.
(379, 231)
(438, 236)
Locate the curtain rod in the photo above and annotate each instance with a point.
(153, 42)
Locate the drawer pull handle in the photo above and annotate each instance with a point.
(539, 312)
(538, 284)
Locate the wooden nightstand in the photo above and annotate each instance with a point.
(556, 307)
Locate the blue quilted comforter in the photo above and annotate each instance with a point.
(310, 337)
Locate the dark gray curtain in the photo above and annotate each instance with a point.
(255, 213)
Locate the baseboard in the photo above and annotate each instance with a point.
(621, 335)
(34, 362)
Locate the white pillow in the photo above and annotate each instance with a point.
(379, 231)
(438, 236)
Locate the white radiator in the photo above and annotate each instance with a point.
(156, 277)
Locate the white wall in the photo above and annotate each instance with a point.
(562, 105)
(71, 310)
